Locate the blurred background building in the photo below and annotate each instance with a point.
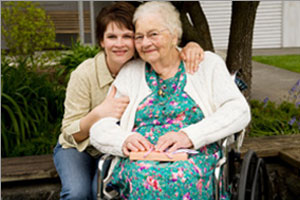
(277, 22)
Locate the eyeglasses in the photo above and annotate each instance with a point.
(151, 35)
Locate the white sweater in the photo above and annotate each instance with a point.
(225, 109)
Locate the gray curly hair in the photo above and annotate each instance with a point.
(166, 11)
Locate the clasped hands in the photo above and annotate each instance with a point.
(171, 141)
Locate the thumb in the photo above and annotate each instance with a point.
(112, 92)
(183, 56)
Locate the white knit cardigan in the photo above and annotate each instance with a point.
(225, 109)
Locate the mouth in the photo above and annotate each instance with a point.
(120, 52)
(149, 51)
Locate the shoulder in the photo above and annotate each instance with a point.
(85, 69)
(130, 74)
(210, 63)
(133, 68)
(212, 58)
(133, 65)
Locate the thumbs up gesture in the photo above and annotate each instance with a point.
(112, 106)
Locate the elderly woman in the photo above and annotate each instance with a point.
(169, 109)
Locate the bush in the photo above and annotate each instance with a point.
(26, 28)
(31, 109)
(32, 102)
(269, 118)
(73, 58)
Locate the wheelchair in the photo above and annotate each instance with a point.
(245, 178)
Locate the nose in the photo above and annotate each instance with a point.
(120, 42)
(146, 42)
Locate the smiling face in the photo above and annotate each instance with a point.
(153, 40)
(118, 44)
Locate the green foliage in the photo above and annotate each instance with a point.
(271, 119)
(288, 62)
(32, 101)
(75, 57)
(26, 28)
(78, 54)
(31, 110)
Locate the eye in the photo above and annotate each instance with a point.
(138, 37)
(128, 36)
(153, 34)
(111, 36)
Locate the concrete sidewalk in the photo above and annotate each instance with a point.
(272, 82)
(269, 81)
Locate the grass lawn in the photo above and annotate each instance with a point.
(288, 62)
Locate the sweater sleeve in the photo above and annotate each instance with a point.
(231, 114)
(107, 135)
(77, 105)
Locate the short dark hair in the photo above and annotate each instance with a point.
(121, 13)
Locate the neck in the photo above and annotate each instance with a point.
(167, 67)
(113, 67)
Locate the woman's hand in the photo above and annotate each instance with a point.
(192, 54)
(173, 141)
(136, 142)
(111, 106)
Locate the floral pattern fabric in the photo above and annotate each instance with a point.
(167, 108)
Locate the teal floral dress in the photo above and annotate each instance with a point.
(167, 108)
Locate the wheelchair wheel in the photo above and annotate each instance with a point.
(254, 181)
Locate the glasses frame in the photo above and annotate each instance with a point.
(152, 35)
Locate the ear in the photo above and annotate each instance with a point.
(102, 44)
(174, 39)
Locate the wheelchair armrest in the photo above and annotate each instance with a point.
(239, 138)
(105, 167)
(223, 163)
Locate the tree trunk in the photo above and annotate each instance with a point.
(198, 31)
(239, 53)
